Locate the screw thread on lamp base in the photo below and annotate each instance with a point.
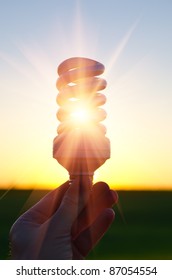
(72, 177)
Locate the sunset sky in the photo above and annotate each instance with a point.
(133, 39)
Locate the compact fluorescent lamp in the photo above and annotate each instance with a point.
(81, 145)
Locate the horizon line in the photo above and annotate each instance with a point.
(112, 186)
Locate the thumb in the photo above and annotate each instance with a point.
(73, 202)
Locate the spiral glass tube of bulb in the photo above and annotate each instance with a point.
(81, 145)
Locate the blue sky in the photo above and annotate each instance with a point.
(133, 39)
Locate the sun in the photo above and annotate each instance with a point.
(80, 116)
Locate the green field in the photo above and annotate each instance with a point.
(142, 228)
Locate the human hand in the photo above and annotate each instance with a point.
(66, 224)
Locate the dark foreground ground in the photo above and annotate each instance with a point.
(142, 228)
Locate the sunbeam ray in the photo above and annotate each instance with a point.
(121, 46)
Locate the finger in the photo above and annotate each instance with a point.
(47, 206)
(101, 197)
(72, 203)
(87, 240)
